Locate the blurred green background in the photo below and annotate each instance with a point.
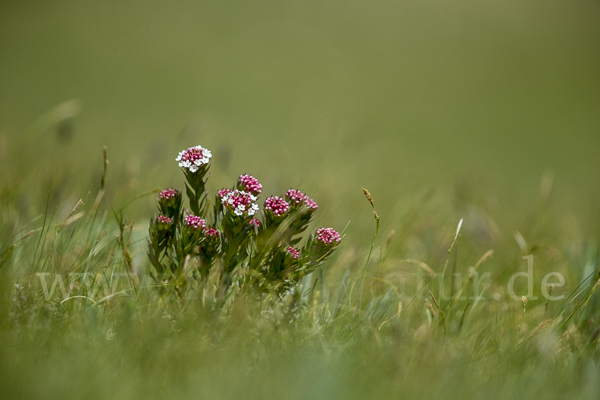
(483, 110)
(330, 96)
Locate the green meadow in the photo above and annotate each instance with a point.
(474, 125)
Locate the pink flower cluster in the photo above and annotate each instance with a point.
(193, 158)
(249, 184)
(293, 252)
(328, 236)
(211, 233)
(194, 222)
(277, 206)
(167, 194)
(240, 202)
(254, 222)
(223, 192)
(164, 220)
(296, 197)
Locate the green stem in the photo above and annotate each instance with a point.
(362, 282)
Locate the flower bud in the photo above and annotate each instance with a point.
(276, 206)
(249, 184)
(294, 253)
(328, 237)
(169, 202)
(193, 222)
(298, 199)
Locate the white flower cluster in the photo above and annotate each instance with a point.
(193, 158)
(240, 202)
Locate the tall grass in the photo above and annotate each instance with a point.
(117, 336)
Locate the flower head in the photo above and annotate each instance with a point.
(249, 184)
(223, 192)
(194, 222)
(297, 198)
(293, 252)
(211, 233)
(162, 229)
(168, 194)
(164, 220)
(240, 202)
(193, 158)
(277, 205)
(328, 236)
(169, 202)
(254, 222)
(310, 203)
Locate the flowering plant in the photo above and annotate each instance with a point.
(242, 244)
